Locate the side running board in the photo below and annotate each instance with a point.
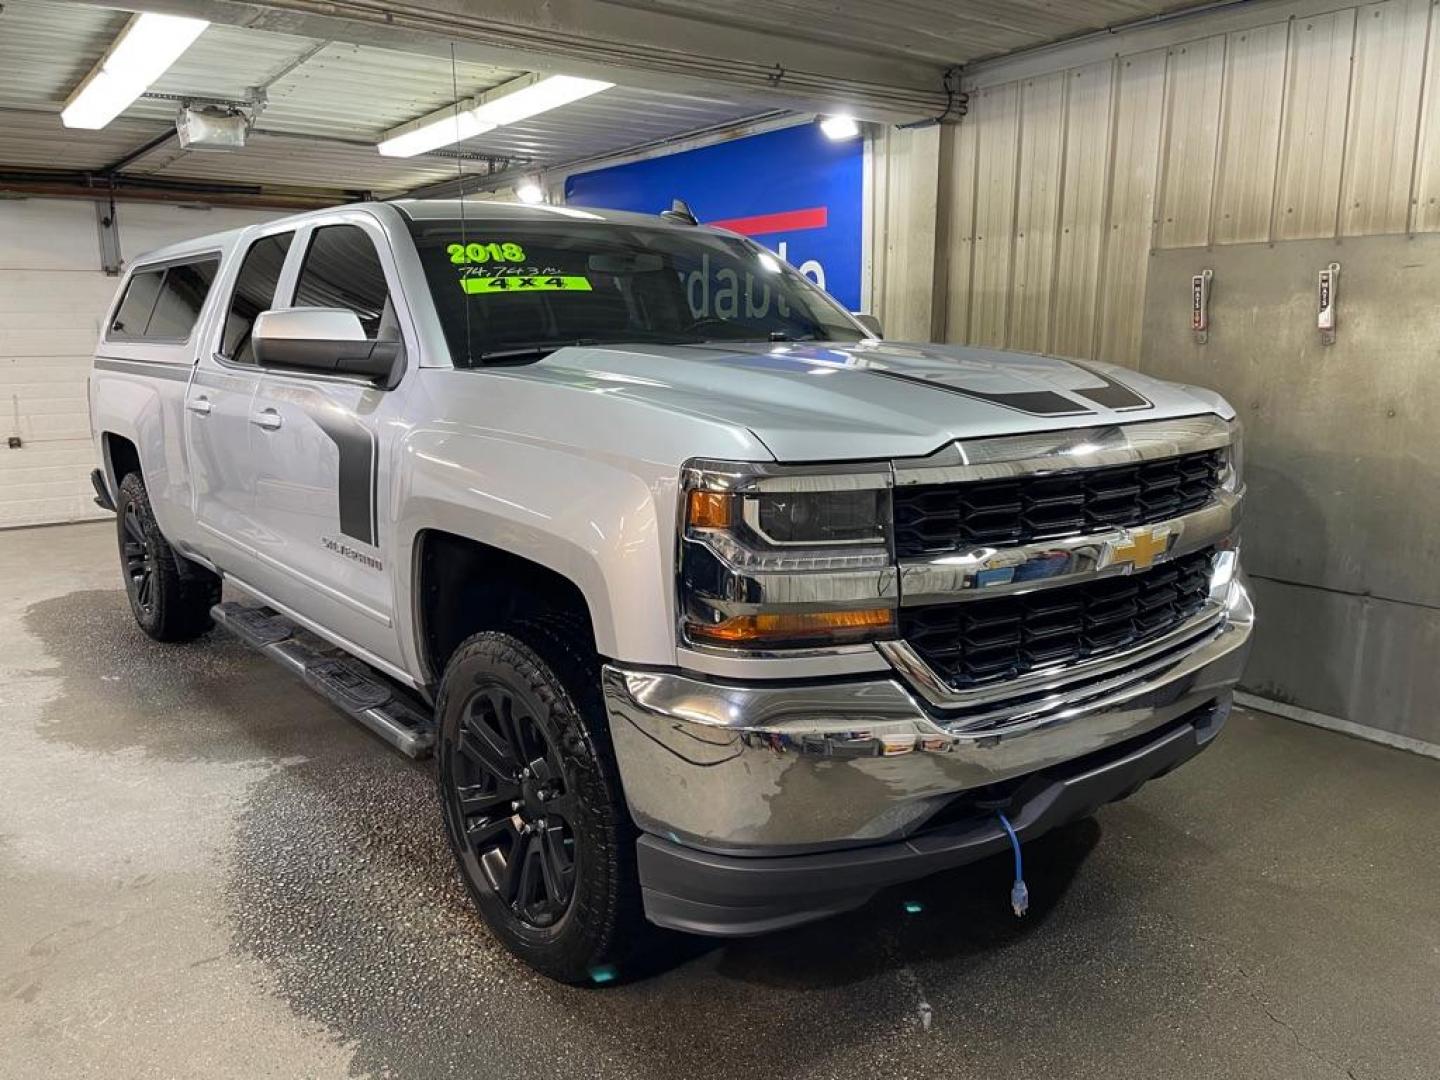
(387, 709)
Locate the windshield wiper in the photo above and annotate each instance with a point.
(538, 350)
(776, 338)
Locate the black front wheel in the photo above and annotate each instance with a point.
(170, 596)
(532, 803)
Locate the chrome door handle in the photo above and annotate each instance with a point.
(199, 405)
(268, 419)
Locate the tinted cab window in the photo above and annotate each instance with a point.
(254, 292)
(181, 297)
(138, 303)
(164, 304)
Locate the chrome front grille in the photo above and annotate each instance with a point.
(975, 643)
(934, 519)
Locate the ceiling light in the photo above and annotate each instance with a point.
(528, 191)
(508, 103)
(511, 102)
(840, 127)
(431, 134)
(143, 52)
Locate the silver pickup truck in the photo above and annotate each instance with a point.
(717, 610)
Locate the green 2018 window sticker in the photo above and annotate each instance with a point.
(479, 254)
(484, 286)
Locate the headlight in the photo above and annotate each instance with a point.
(818, 517)
(776, 557)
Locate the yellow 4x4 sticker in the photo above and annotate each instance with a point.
(525, 283)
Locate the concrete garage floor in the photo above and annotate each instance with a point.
(206, 871)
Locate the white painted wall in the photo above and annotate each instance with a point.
(53, 296)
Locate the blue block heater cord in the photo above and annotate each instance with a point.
(1019, 894)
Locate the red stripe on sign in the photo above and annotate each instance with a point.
(816, 217)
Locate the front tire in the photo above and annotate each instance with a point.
(532, 802)
(170, 596)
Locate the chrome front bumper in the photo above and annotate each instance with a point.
(785, 769)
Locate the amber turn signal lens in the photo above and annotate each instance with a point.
(710, 510)
(774, 627)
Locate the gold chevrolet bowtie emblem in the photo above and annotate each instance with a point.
(1141, 547)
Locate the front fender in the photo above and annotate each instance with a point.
(606, 526)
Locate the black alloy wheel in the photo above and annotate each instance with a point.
(169, 595)
(510, 793)
(531, 798)
(138, 554)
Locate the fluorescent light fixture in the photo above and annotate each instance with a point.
(143, 52)
(840, 127)
(431, 134)
(528, 191)
(510, 103)
(513, 101)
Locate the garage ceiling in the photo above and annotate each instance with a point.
(327, 105)
(337, 75)
(944, 31)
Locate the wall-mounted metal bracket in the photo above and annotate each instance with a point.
(1328, 290)
(107, 226)
(1200, 306)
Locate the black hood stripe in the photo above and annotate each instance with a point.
(1114, 394)
(1032, 402)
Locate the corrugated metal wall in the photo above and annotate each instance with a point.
(1057, 186)
(1263, 141)
(904, 222)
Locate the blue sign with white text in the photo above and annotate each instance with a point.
(795, 191)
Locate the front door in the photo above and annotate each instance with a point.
(321, 446)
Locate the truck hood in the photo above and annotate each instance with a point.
(810, 402)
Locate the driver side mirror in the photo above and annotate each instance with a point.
(329, 340)
(870, 323)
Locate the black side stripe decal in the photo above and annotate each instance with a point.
(1033, 402)
(374, 489)
(357, 480)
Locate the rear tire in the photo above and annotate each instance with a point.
(532, 802)
(170, 596)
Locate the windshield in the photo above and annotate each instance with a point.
(512, 292)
